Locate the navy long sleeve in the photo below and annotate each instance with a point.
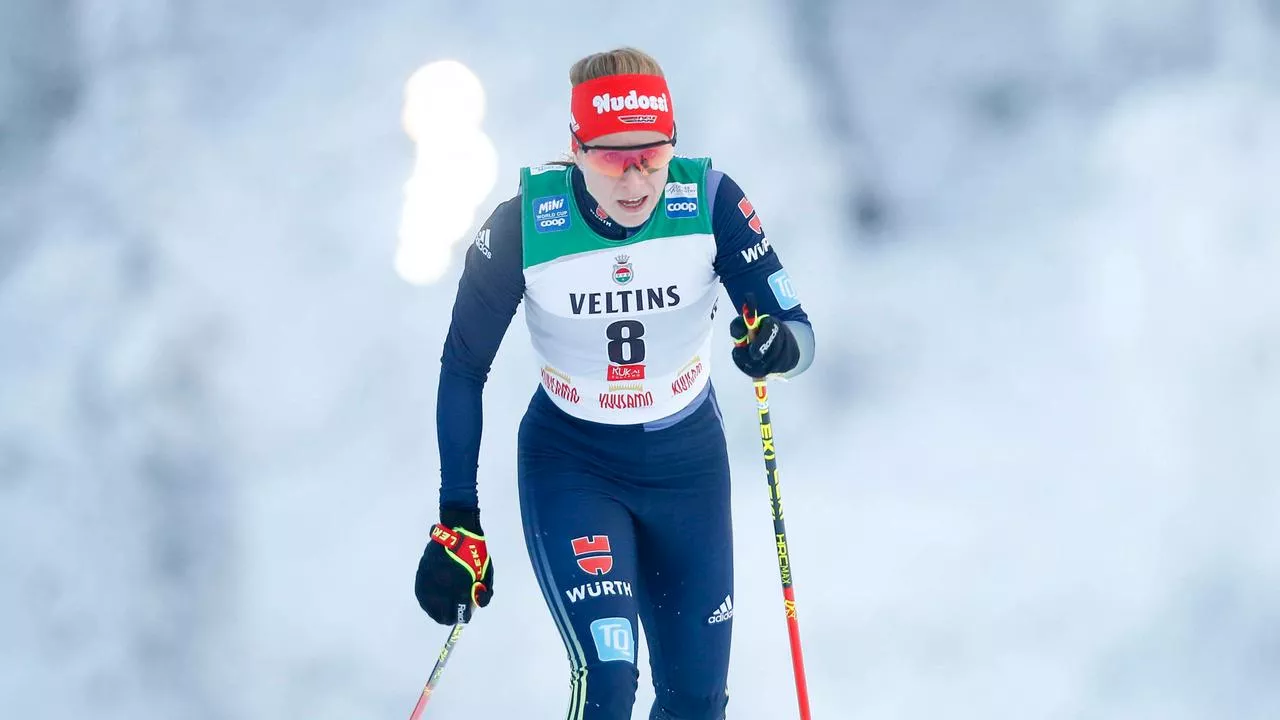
(748, 265)
(745, 259)
(489, 292)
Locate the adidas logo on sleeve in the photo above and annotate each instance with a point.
(722, 613)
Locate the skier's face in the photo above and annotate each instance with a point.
(630, 197)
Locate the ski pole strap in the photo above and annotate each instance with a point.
(465, 547)
(751, 319)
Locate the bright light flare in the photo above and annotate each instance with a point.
(420, 264)
(455, 167)
(441, 97)
(467, 164)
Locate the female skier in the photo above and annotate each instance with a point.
(622, 464)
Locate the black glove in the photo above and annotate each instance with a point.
(455, 571)
(762, 345)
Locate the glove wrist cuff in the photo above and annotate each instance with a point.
(466, 518)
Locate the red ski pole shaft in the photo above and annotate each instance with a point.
(780, 538)
(438, 670)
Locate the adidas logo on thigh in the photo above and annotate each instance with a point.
(722, 613)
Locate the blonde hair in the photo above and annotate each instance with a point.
(621, 61)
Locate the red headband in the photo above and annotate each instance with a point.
(618, 103)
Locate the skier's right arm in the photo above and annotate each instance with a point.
(455, 573)
(489, 292)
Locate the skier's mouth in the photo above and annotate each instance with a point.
(633, 204)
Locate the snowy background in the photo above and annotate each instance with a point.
(1033, 474)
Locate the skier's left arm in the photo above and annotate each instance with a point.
(750, 269)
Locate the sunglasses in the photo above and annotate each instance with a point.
(614, 161)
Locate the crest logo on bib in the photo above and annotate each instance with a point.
(622, 273)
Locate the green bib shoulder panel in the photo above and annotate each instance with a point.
(552, 226)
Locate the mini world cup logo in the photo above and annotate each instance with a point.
(622, 273)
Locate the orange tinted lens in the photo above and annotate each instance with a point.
(615, 162)
(599, 162)
(658, 157)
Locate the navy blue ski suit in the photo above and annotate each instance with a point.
(623, 523)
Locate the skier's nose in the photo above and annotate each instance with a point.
(632, 179)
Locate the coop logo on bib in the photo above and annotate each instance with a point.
(682, 200)
(551, 214)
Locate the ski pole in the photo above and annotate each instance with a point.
(779, 529)
(438, 670)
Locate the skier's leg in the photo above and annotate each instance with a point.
(582, 545)
(685, 550)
